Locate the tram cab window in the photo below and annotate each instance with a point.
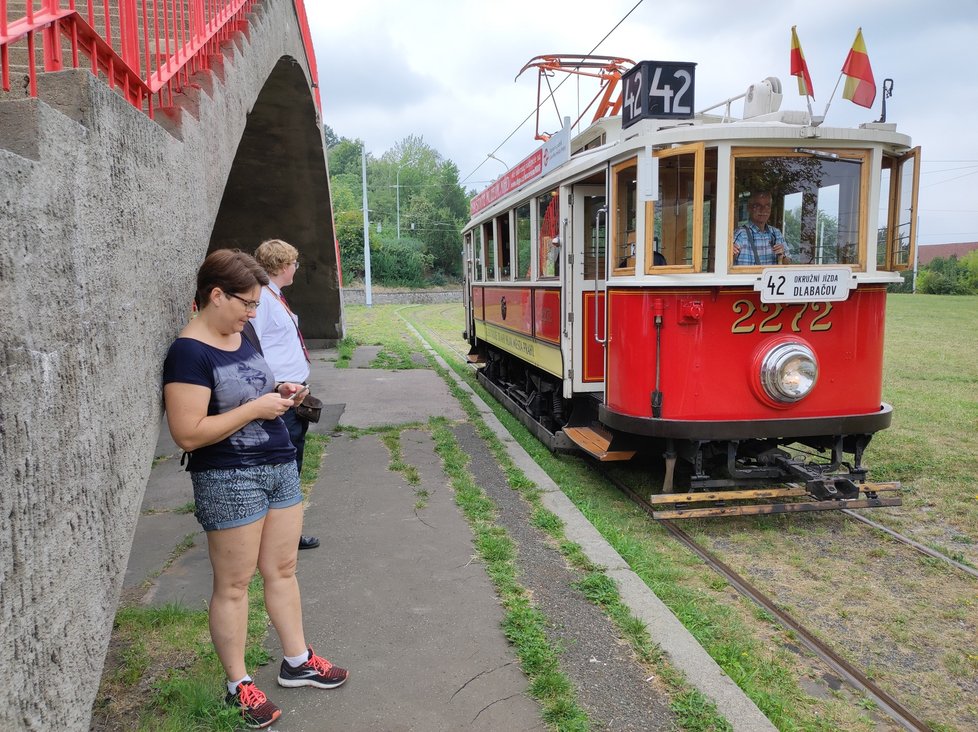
(624, 197)
(488, 243)
(502, 247)
(523, 242)
(897, 215)
(816, 200)
(548, 234)
(683, 230)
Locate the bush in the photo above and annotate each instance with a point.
(400, 263)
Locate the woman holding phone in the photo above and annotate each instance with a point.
(222, 408)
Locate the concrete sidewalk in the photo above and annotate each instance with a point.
(396, 593)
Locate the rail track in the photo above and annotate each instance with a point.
(845, 670)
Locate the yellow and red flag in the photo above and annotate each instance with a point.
(860, 84)
(799, 67)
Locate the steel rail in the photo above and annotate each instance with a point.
(911, 543)
(833, 660)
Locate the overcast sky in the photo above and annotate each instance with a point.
(445, 70)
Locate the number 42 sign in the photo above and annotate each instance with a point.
(658, 90)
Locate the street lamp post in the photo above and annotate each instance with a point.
(397, 189)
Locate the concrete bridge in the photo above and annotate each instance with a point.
(199, 129)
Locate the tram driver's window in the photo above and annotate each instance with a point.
(624, 196)
(502, 247)
(488, 241)
(815, 201)
(548, 234)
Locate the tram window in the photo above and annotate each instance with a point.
(816, 199)
(505, 270)
(624, 196)
(488, 242)
(523, 257)
(595, 238)
(895, 235)
(548, 219)
(674, 225)
(473, 254)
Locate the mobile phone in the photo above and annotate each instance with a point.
(294, 395)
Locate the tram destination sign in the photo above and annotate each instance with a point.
(658, 90)
(805, 284)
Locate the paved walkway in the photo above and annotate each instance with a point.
(396, 594)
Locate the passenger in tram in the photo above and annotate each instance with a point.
(755, 242)
(553, 258)
(222, 407)
(281, 340)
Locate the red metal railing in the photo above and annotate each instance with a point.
(158, 44)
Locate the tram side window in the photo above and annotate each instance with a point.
(624, 194)
(502, 247)
(674, 225)
(488, 242)
(473, 254)
(894, 238)
(523, 243)
(548, 219)
(816, 198)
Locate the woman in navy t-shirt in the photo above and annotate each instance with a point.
(224, 409)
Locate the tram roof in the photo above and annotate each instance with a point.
(774, 129)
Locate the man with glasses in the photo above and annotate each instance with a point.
(277, 328)
(756, 243)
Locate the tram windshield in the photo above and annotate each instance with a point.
(812, 198)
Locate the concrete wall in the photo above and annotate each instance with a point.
(355, 296)
(104, 218)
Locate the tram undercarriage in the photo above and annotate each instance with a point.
(701, 477)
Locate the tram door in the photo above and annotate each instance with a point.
(585, 283)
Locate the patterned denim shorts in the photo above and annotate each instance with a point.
(231, 497)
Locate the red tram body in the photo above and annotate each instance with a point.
(608, 303)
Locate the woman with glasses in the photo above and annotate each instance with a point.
(277, 328)
(223, 409)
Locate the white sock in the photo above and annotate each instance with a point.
(296, 661)
(233, 685)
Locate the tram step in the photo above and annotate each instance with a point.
(596, 442)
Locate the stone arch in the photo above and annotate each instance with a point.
(278, 188)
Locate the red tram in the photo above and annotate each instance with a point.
(606, 304)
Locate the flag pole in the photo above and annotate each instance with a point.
(825, 113)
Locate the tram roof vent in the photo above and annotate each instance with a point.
(764, 97)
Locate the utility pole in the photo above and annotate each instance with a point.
(397, 189)
(366, 230)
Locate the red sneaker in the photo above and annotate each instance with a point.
(317, 671)
(256, 710)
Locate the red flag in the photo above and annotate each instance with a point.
(860, 84)
(799, 67)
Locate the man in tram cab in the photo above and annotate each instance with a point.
(755, 242)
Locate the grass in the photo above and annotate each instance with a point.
(745, 642)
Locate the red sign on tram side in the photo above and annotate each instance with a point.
(552, 154)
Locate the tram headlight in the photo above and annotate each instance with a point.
(789, 372)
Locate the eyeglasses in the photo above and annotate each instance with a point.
(761, 207)
(296, 263)
(249, 304)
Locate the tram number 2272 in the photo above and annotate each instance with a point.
(767, 318)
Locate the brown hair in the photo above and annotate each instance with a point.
(275, 254)
(230, 269)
